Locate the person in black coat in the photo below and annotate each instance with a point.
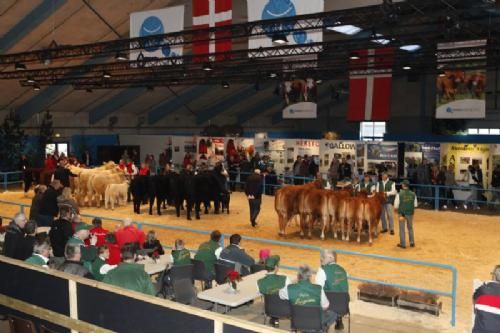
(24, 250)
(234, 254)
(62, 174)
(345, 170)
(61, 231)
(152, 243)
(48, 204)
(253, 191)
(25, 167)
(36, 202)
(14, 235)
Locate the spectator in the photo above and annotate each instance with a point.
(263, 255)
(99, 232)
(180, 255)
(307, 294)
(130, 275)
(345, 170)
(366, 184)
(89, 253)
(48, 204)
(99, 267)
(304, 168)
(128, 233)
(25, 247)
(296, 171)
(288, 176)
(333, 172)
(440, 181)
(495, 183)
(272, 282)
(66, 200)
(245, 170)
(144, 170)
(234, 254)
(313, 168)
(209, 252)
(62, 173)
(14, 235)
(41, 252)
(25, 167)
(271, 180)
(114, 250)
(388, 187)
(253, 191)
(73, 262)
(151, 165)
(162, 160)
(449, 181)
(60, 233)
(36, 202)
(423, 177)
(232, 166)
(472, 179)
(152, 243)
(487, 306)
(187, 160)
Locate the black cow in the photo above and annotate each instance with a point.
(158, 187)
(139, 191)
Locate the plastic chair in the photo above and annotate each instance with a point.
(275, 307)
(200, 273)
(181, 272)
(221, 272)
(20, 325)
(185, 293)
(339, 303)
(307, 318)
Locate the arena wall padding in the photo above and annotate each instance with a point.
(233, 329)
(125, 314)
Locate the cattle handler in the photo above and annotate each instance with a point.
(405, 203)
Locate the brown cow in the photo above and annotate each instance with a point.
(334, 204)
(350, 213)
(372, 211)
(313, 205)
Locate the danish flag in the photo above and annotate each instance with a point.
(370, 85)
(209, 14)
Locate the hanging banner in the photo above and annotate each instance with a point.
(274, 9)
(156, 22)
(336, 149)
(300, 99)
(460, 93)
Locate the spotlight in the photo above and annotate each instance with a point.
(106, 75)
(319, 81)
(354, 56)
(225, 84)
(120, 56)
(272, 75)
(406, 67)
(280, 39)
(30, 79)
(207, 66)
(36, 87)
(57, 135)
(19, 66)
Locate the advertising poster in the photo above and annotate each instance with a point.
(382, 156)
(182, 145)
(462, 155)
(210, 150)
(300, 99)
(336, 149)
(241, 146)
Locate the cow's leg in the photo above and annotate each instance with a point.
(370, 238)
(302, 225)
(311, 226)
(197, 209)
(360, 228)
(177, 208)
(323, 227)
(189, 208)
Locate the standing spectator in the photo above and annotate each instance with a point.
(128, 233)
(332, 277)
(487, 306)
(86, 158)
(62, 173)
(60, 232)
(180, 255)
(25, 247)
(187, 160)
(495, 183)
(366, 184)
(152, 243)
(449, 182)
(67, 200)
(253, 191)
(388, 187)
(14, 235)
(232, 166)
(41, 252)
(423, 180)
(162, 160)
(25, 167)
(304, 169)
(296, 170)
(144, 170)
(351, 162)
(405, 202)
(151, 164)
(99, 232)
(472, 179)
(234, 254)
(271, 180)
(245, 170)
(333, 172)
(209, 252)
(130, 275)
(345, 170)
(36, 202)
(73, 262)
(440, 181)
(313, 168)
(48, 204)
(255, 162)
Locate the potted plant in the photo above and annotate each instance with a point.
(233, 277)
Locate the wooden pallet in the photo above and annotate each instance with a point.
(389, 300)
(433, 309)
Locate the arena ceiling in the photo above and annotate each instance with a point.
(28, 25)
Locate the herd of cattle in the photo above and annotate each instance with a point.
(109, 184)
(336, 210)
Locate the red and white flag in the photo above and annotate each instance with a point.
(209, 14)
(370, 85)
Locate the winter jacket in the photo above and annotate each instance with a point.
(14, 236)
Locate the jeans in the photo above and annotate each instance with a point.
(387, 213)
(474, 195)
(254, 208)
(408, 219)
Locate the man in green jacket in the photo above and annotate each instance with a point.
(99, 267)
(89, 253)
(405, 202)
(388, 187)
(180, 255)
(272, 282)
(130, 275)
(41, 252)
(332, 277)
(208, 253)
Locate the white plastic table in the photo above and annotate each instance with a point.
(155, 267)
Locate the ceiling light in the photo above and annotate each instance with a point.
(354, 56)
(225, 84)
(207, 66)
(36, 87)
(377, 39)
(319, 81)
(57, 135)
(19, 66)
(346, 29)
(280, 39)
(120, 56)
(106, 75)
(272, 75)
(406, 67)
(30, 79)
(410, 47)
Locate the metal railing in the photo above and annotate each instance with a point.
(451, 293)
(5, 178)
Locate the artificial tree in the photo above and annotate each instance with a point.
(12, 142)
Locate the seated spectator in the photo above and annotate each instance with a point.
(130, 275)
(234, 254)
(36, 201)
(180, 255)
(25, 247)
(114, 250)
(89, 253)
(263, 255)
(67, 200)
(307, 294)
(332, 277)
(128, 233)
(98, 231)
(487, 305)
(99, 267)
(272, 282)
(60, 233)
(72, 263)
(41, 252)
(154, 244)
(48, 204)
(14, 235)
(209, 252)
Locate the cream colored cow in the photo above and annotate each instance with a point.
(115, 193)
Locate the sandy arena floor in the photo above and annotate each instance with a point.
(469, 242)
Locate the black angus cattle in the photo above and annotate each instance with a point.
(157, 189)
(139, 191)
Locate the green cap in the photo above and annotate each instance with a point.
(406, 182)
(272, 261)
(81, 226)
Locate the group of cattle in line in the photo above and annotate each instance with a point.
(111, 185)
(336, 210)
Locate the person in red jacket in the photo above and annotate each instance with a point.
(99, 232)
(128, 233)
(115, 256)
(144, 170)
